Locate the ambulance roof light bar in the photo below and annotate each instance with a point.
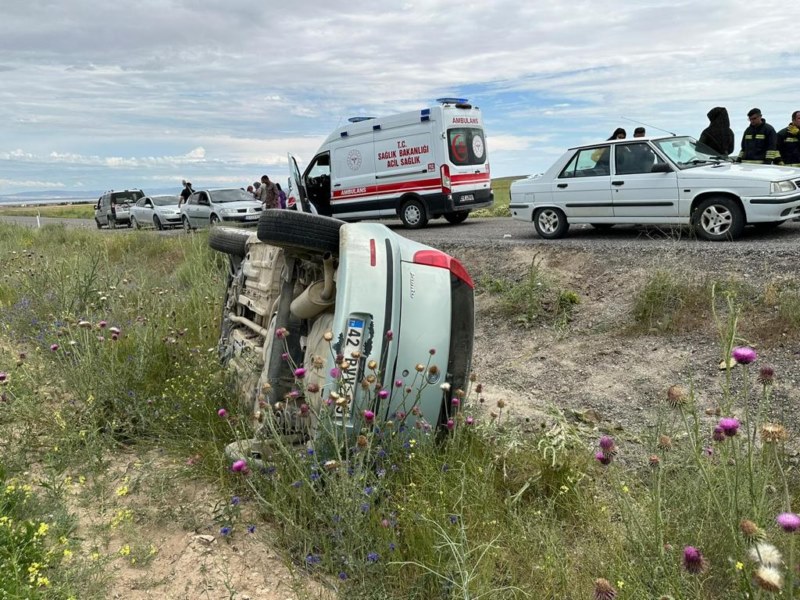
(359, 119)
(452, 100)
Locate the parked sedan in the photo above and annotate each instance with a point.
(660, 180)
(156, 211)
(229, 205)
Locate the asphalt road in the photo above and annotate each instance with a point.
(505, 231)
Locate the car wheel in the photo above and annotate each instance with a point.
(213, 220)
(301, 231)
(229, 240)
(413, 214)
(602, 226)
(186, 227)
(135, 223)
(550, 223)
(718, 219)
(157, 223)
(456, 217)
(99, 226)
(112, 223)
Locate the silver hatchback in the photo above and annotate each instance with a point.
(228, 205)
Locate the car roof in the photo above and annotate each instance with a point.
(627, 141)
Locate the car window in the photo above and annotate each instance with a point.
(193, 198)
(631, 159)
(128, 196)
(148, 204)
(588, 162)
(232, 195)
(466, 146)
(165, 200)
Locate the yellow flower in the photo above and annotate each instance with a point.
(122, 490)
(95, 556)
(125, 550)
(42, 582)
(739, 565)
(67, 553)
(620, 584)
(625, 489)
(43, 527)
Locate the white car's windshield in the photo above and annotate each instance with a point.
(235, 195)
(686, 152)
(165, 200)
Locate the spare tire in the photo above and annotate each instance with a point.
(299, 231)
(229, 240)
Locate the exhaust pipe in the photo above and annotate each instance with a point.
(319, 296)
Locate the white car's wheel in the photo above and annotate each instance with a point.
(135, 222)
(186, 227)
(718, 218)
(550, 223)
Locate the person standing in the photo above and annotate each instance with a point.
(759, 142)
(639, 132)
(185, 192)
(718, 135)
(789, 142)
(268, 193)
(281, 196)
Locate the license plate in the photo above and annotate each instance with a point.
(251, 217)
(467, 198)
(352, 343)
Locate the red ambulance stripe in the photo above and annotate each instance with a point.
(387, 188)
(469, 178)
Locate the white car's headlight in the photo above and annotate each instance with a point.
(781, 187)
(227, 211)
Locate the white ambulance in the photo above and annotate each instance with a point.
(416, 165)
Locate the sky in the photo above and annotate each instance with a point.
(100, 95)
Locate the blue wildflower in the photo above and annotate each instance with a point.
(235, 500)
(391, 546)
(381, 473)
(251, 529)
(373, 557)
(368, 490)
(313, 559)
(225, 530)
(453, 519)
(343, 576)
(315, 476)
(297, 484)
(365, 507)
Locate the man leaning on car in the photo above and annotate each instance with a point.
(759, 142)
(789, 142)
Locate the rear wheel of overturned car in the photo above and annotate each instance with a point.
(718, 218)
(413, 214)
(456, 217)
(550, 223)
(229, 240)
(157, 223)
(299, 231)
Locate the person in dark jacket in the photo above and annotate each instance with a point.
(619, 134)
(718, 135)
(759, 142)
(789, 142)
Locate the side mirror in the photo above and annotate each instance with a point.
(661, 167)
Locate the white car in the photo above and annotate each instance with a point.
(229, 206)
(156, 211)
(657, 180)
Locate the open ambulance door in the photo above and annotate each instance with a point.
(297, 198)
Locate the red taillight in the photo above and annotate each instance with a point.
(372, 255)
(445, 173)
(437, 258)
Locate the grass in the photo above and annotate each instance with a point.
(109, 423)
(502, 198)
(55, 211)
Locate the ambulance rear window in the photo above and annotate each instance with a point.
(466, 146)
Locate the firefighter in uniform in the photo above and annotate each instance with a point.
(759, 142)
(789, 142)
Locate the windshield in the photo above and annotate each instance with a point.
(165, 200)
(234, 195)
(466, 146)
(686, 152)
(123, 197)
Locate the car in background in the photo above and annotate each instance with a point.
(113, 208)
(657, 180)
(156, 211)
(380, 323)
(227, 205)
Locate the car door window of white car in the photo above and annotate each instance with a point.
(589, 162)
(632, 159)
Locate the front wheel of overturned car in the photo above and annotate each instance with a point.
(456, 217)
(413, 214)
(299, 231)
(550, 223)
(229, 240)
(718, 219)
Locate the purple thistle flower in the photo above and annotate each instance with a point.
(719, 434)
(602, 458)
(373, 557)
(299, 372)
(335, 372)
(342, 576)
(693, 560)
(398, 383)
(450, 424)
(240, 466)
(469, 421)
(285, 356)
(369, 416)
(53, 347)
(729, 425)
(607, 445)
(389, 334)
(744, 355)
(789, 522)
(235, 500)
(102, 324)
(383, 394)
(3, 376)
(455, 402)
(222, 413)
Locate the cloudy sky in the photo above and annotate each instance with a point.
(97, 95)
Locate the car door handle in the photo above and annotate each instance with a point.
(561, 185)
(617, 183)
(337, 185)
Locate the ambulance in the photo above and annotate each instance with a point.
(416, 165)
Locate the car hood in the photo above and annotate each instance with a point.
(742, 171)
(239, 204)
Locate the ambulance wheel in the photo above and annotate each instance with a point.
(413, 214)
(299, 231)
(456, 217)
(229, 240)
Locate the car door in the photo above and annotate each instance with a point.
(297, 197)
(636, 191)
(582, 189)
(202, 212)
(191, 208)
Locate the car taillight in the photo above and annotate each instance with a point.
(437, 258)
(445, 172)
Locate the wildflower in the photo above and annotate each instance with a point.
(398, 383)
(284, 356)
(102, 324)
(676, 396)
(297, 484)
(222, 413)
(383, 394)
(281, 332)
(469, 420)
(450, 424)
(342, 576)
(789, 522)
(240, 466)
(501, 403)
(369, 416)
(719, 434)
(364, 507)
(654, 461)
(362, 441)
(453, 519)
(335, 372)
(299, 372)
(769, 579)
(235, 501)
(330, 465)
(389, 334)
(373, 557)
(664, 442)
(455, 402)
(313, 559)
(225, 531)
(729, 425)
(84, 324)
(766, 554)
(750, 531)
(607, 446)
(372, 365)
(328, 336)
(602, 458)
(419, 367)
(3, 376)
(773, 432)
(53, 347)
(251, 529)
(115, 330)
(744, 355)
(766, 375)
(445, 387)
(603, 590)
(693, 560)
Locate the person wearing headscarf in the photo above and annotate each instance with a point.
(789, 142)
(718, 135)
(619, 134)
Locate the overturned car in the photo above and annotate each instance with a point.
(329, 326)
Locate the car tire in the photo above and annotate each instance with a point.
(229, 240)
(135, 223)
(602, 226)
(213, 220)
(99, 226)
(299, 231)
(718, 219)
(413, 215)
(112, 223)
(456, 217)
(186, 227)
(550, 223)
(157, 223)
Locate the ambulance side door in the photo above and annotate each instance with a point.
(353, 178)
